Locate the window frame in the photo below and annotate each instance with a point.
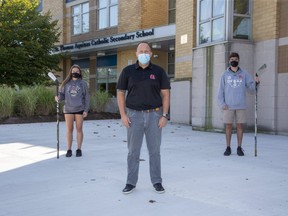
(108, 20)
(110, 78)
(81, 14)
(171, 64)
(210, 21)
(228, 16)
(233, 15)
(171, 12)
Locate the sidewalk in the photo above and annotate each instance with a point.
(198, 179)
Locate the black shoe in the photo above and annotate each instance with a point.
(78, 153)
(227, 151)
(240, 151)
(69, 153)
(128, 189)
(159, 188)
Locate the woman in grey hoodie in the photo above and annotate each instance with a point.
(74, 92)
(232, 99)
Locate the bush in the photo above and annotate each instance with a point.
(45, 104)
(98, 101)
(26, 101)
(36, 100)
(7, 101)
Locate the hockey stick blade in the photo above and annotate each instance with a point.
(261, 70)
(52, 76)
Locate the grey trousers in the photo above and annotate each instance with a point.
(144, 123)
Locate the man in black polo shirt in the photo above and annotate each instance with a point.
(147, 104)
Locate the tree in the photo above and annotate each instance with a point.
(27, 39)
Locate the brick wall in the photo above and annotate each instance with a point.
(141, 14)
(124, 56)
(56, 8)
(129, 15)
(283, 18)
(265, 19)
(283, 32)
(186, 25)
(154, 13)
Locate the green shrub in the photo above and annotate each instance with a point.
(7, 101)
(98, 101)
(26, 101)
(45, 104)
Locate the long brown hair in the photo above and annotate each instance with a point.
(69, 76)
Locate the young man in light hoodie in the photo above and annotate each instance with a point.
(232, 99)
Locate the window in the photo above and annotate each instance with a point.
(241, 19)
(106, 79)
(211, 21)
(172, 11)
(214, 20)
(80, 18)
(106, 75)
(171, 64)
(107, 13)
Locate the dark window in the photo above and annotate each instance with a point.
(107, 74)
(172, 11)
(171, 64)
(241, 19)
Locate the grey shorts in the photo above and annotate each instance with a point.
(230, 115)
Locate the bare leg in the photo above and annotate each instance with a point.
(239, 133)
(228, 134)
(69, 118)
(79, 128)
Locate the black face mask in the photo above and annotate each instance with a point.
(234, 63)
(76, 75)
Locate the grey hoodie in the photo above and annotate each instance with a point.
(76, 96)
(232, 90)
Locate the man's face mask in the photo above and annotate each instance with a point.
(144, 58)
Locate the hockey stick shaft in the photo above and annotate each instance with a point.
(57, 110)
(255, 137)
(53, 77)
(258, 73)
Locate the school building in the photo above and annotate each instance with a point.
(191, 40)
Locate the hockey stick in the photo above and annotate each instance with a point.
(52, 76)
(259, 72)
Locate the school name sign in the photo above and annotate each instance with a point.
(112, 40)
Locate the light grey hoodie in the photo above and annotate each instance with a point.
(76, 96)
(233, 86)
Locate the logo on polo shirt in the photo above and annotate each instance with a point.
(152, 76)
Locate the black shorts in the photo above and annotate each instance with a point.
(76, 113)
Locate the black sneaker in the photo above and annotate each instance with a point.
(159, 188)
(227, 151)
(240, 151)
(128, 189)
(69, 153)
(78, 153)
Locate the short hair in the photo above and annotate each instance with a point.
(145, 42)
(234, 54)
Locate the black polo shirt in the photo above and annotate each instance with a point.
(143, 86)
